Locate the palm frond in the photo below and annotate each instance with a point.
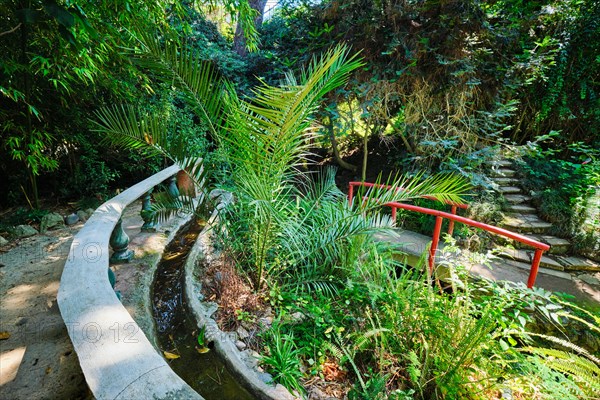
(130, 127)
(127, 126)
(269, 134)
(165, 207)
(442, 187)
(203, 87)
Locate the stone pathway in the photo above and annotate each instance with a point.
(584, 287)
(37, 360)
(521, 217)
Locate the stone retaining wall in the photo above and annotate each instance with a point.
(237, 362)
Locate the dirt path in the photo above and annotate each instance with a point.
(37, 361)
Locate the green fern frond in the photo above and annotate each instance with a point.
(567, 344)
(580, 369)
(362, 339)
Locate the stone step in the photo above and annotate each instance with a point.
(557, 245)
(509, 190)
(503, 181)
(517, 198)
(521, 209)
(502, 163)
(526, 256)
(552, 261)
(527, 267)
(526, 223)
(504, 172)
(573, 263)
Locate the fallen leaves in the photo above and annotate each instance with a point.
(170, 356)
(4, 335)
(333, 372)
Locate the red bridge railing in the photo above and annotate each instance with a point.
(452, 217)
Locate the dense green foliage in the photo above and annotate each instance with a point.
(61, 60)
(446, 79)
(565, 191)
(442, 80)
(374, 320)
(445, 84)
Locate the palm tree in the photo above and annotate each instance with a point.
(266, 140)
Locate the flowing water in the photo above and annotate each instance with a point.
(177, 330)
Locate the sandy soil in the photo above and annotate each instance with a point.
(37, 361)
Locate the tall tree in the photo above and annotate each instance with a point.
(239, 40)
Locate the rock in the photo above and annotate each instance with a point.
(249, 325)
(51, 221)
(591, 341)
(21, 321)
(83, 216)
(3, 242)
(507, 394)
(589, 279)
(318, 394)
(242, 333)
(265, 377)
(23, 231)
(221, 197)
(89, 211)
(240, 345)
(297, 317)
(71, 219)
(265, 322)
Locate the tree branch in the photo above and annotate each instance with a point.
(12, 30)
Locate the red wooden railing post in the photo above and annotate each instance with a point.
(350, 194)
(434, 242)
(451, 222)
(535, 265)
(394, 210)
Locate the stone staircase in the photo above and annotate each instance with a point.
(521, 217)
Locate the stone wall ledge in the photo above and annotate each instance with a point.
(117, 359)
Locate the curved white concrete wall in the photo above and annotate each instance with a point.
(117, 359)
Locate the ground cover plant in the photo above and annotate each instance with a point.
(565, 189)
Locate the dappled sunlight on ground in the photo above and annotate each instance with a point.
(10, 361)
(37, 360)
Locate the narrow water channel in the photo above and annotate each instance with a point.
(177, 330)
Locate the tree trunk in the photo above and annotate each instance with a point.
(363, 175)
(336, 151)
(239, 40)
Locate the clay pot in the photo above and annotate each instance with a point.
(185, 184)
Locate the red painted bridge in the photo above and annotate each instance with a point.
(415, 244)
